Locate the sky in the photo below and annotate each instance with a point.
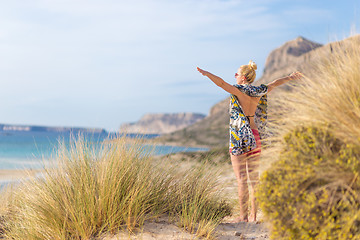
(87, 63)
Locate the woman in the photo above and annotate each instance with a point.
(247, 123)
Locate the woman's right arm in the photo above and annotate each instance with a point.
(221, 83)
(280, 81)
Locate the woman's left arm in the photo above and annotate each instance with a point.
(220, 82)
(280, 81)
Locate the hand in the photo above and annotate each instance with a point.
(203, 72)
(295, 75)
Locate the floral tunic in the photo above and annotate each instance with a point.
(242, 139)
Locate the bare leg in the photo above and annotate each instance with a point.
(253, 162)
(239, 166)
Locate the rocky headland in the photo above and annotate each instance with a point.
(161, 123)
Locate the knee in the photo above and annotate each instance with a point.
(242, 177)
(253, 171)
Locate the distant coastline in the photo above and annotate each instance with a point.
(34, 128)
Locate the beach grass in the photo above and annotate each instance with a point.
(197, 198)
(312, 188)
(327, 95)
(87, 192)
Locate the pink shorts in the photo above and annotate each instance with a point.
(257, 150)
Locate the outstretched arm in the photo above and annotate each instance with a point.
(280, 81)
(220, 82)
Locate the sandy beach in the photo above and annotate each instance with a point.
(9, 175)
(161, 229)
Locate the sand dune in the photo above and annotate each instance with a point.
(161, 229)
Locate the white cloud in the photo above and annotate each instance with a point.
(87, 51)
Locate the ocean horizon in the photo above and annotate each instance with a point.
(32, 149)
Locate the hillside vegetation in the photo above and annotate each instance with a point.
(312, 189)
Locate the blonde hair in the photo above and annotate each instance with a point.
(248, 71)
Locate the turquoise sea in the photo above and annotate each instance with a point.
(30, 150)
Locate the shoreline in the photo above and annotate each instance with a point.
(11, 175)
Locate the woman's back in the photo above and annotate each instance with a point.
(249, 106)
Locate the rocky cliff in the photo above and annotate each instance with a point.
(162, 123)
(299, 54)
(210, 131)
(289, 57)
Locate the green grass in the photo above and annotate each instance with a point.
(88, 192)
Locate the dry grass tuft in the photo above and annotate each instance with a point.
(90, 191)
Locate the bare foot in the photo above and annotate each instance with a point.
(252, 218)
